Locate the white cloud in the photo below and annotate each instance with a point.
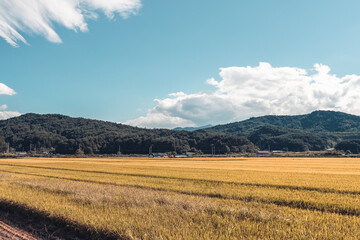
(39, 16)
(5, 90)
(8, 114)
(155, 119)
(244, 92)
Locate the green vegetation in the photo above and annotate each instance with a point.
(318, 121)
(287, 139)
(352, 146)
(315, 131)
(66, 135)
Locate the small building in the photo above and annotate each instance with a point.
(263, 153)
(21, 153)
(158, 155)
(183, 156)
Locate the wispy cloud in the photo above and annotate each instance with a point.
(39, 16)
(243, 92)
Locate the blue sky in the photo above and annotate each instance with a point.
(116, 69)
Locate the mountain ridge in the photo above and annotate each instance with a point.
(66, 135)
(316, 121)
(190, 129)
(62, 134)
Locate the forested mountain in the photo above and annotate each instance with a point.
(318, 121)
(315, 131)
(66, 135)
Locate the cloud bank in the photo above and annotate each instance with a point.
(244, 92)
(39, 16)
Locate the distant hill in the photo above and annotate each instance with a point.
(318, 121)
(190, 129)
(67, 135)
(314, 131)
(278, 138)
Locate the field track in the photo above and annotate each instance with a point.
(12, 233)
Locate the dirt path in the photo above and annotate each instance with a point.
(12, 233)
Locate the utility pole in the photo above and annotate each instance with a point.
(8, 148)
(174, 146)
(119, 149)
(150, 149)
(212, 149)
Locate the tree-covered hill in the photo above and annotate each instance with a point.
(318, 121)
(67, 135)
(62, 134)
(315, 131)
(278, 138)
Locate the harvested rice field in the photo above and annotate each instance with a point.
(200, 198)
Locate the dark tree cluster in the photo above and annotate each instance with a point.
(276, 138)
(352, 146)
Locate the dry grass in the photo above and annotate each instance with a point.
(193, 199)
